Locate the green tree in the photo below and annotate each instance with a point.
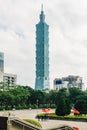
(61, 108)
(74, 92)
(81, 104)
(52, 96)
(21, 96)
(37, 95)
(63, 102)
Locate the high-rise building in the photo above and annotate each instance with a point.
(42, 54)
(1, 66)
(1, 61)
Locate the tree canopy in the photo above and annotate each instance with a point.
(23, 97)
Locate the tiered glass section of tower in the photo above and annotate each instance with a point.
(42, 54)
(2, 62)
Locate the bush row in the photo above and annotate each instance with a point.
(69, 118)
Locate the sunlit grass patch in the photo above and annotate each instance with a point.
(34, 122)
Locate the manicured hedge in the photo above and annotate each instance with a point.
(69, 117)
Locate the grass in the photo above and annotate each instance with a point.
(34, 122)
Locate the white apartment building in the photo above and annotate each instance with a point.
(67, 82)
(6, 78)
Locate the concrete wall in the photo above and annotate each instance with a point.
(3, 123)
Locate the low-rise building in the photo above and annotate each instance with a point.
(67, 82)
(10, 79)
(6, 80)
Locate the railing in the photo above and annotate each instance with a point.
(17, 124)
(61, 128)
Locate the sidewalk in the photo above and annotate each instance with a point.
(25, 114)
(56, 123)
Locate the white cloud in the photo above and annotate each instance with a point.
(67, 21)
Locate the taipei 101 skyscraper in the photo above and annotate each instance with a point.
(42, 54)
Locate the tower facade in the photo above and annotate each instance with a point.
(2, 62)
(42, 54)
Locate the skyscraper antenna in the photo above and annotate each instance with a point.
(42, 7)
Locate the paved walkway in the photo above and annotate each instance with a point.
(45, 124)
(55, 123)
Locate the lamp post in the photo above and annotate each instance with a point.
(37, 106)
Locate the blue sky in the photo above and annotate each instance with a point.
(67, 21)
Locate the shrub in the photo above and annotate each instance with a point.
(63, 107)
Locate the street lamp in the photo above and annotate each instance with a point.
(37, 106)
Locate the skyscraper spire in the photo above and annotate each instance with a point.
(42, 16)
(41, 7)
